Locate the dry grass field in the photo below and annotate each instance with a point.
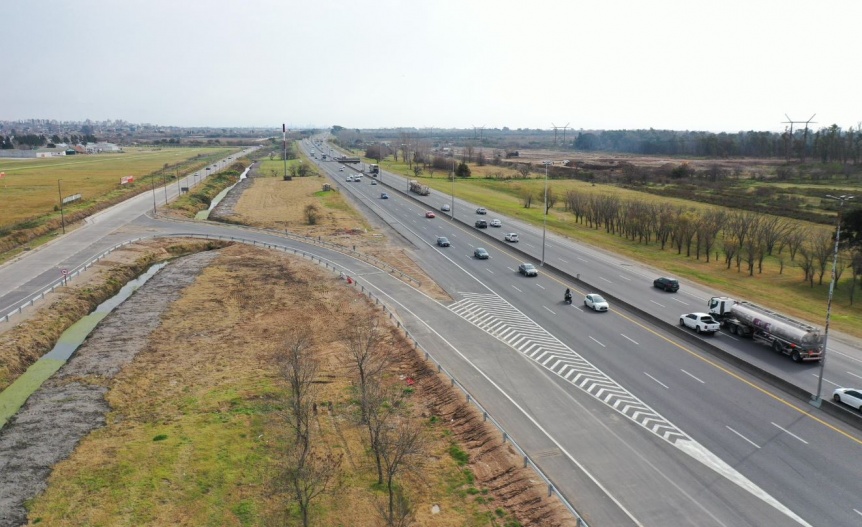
(30, 187)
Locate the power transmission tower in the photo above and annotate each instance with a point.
(478, 135)
(791, 122)
(559, 128)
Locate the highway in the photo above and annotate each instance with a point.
(772, 442)
(633, 425)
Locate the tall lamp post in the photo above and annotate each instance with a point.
(841, 199)
(545, 217)
(453, 188)
(62, 218)
(153, 181)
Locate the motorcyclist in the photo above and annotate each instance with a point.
(568, 295)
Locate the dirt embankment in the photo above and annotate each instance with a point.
(197, 330)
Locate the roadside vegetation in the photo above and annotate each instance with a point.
(31, 189)
(779, 261)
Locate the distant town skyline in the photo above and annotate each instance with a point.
(669, 64)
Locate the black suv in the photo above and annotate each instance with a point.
(481, 224)
(668, 284)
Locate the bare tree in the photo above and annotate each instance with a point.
(299, 368)
(527, 198)
(524, 169)
(551, 199)
(806, 262)
(309, 475)
(312, 214)
(368, 358)
(402, 449)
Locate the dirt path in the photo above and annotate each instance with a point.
(72, 403)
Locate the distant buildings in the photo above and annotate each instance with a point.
(61, 149)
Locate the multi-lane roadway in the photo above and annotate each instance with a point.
(793, 459)
(634, 425)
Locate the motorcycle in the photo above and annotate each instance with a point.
(568, 298)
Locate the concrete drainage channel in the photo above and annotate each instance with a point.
(16, 394)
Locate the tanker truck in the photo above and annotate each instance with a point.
(800, 341)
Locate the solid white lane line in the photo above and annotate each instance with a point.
(579, 309)
(788, 432)
(827, 380)
(627, 338)
(656, 303)
(656, 380)
(728, 335)
(854, 359)
(549, 310)
(692, 376)
(516, 289)
(857, 511)
(511, 269)
(597, 342)
(530, 245)
(743, 437)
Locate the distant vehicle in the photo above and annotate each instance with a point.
(496, 223)
(481, 253)
(419, 188)
(596, 302)
(350, 179)
(442, 241)
(384, 196)
(528, 269)
(511, 237)
(341, 169)
(668, 284)
(801, 341)
(373, 169)
(429, 214)
(481, 210)
(444, 208)
(700, 322)
(848, 396)
(481, 224)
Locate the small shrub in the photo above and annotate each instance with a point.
(461, 457)
(160, 437)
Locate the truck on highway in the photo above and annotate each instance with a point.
(802, 342)
(373, 169)
(419, 188)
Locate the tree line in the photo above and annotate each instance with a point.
(829, 144)
(30, 141)
(740, 239)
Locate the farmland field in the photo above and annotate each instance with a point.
(30, 187)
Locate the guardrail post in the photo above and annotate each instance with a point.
(427, 357)
(505, 437)
(484, 416)
(439, 368)
(527, 463)
(550, 488)
(468, 398)
(453, 381)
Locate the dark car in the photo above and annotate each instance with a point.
(528, 269)
(384, 196)
(481, 224)
(668, 284)
(443, 241)
(480, 253)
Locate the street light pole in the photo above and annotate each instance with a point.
(841, 199)
(453, 188)
(62, 218)
(153, 181)
(179, 191)
(545, 204)
(165, 183)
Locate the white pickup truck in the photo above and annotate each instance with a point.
(700, 322)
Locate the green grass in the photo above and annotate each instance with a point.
(784, 292)
(30, 188)
(16, 394)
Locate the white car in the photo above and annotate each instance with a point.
(700, 322)
(444, 208)
(481, 210)
(596, 302)
(512, 237)
(496, 223)
(848, 396)
(350, 179)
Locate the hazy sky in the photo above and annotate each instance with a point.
(718, 65)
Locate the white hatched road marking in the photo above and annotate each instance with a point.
(568, 364)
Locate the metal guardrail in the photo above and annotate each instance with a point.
(18, 307)
(486, 416)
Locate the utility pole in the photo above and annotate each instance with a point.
(841, 199)
(284, 148)
(791, 122)
(545, 216)
(62, 218)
